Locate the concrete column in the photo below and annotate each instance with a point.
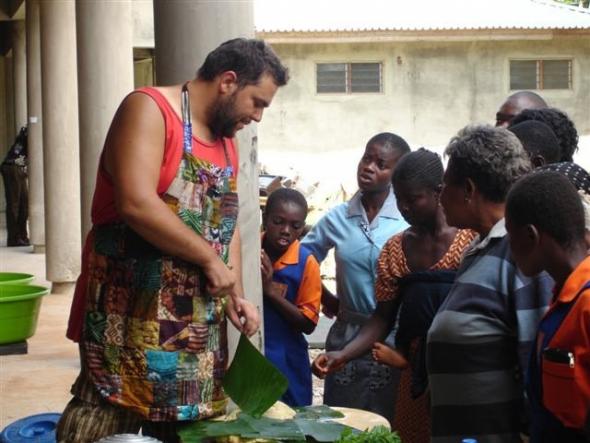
(19, 58)
(35, 126)
(60, 142)
(199, 27)
(9, 100)
(5, 128)
(105, 76)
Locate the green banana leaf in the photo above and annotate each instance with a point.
(322, 431)
(247, 427)
(199, 431)
(253, 382)
(317, 412)
(273, 429)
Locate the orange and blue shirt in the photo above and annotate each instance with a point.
(286, 348)
(559, 373)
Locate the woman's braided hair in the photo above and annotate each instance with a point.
(421, 168)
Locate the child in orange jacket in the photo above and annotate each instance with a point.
(545, 221)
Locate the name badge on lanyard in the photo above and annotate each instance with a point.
(187, 127)
(187, 134)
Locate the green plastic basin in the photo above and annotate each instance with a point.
(15, 278)
(19, 311)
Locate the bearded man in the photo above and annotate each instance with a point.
(161, 268)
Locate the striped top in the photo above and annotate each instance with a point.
(479, 343)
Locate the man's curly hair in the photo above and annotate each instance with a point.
(563, 128)
(493, 158)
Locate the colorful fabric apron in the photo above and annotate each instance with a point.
(155, 340)
(284, 346)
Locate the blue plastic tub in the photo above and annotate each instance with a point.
(38, 428)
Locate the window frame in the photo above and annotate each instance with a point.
(539, 81)
(348, 77)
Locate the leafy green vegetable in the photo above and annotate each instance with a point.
(253, 382)
(198, 431)
(379, 434)
(317, 412)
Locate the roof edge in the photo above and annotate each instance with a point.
(372, 36)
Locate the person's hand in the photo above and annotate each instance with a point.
(385, 355)
(243, 315)
(326, 363)
(266, 272)
(381, 353)
(220, 278)
(330, 305)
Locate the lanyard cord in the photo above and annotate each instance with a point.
(187, 127)
(187, 130)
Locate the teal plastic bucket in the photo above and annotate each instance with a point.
(19, 311)
(15, 278)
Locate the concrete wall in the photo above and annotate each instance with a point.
(430, 90)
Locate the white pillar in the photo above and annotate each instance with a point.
(19, 59)
(60, 142)
(35, 127)
(199, 27)
(105, 76)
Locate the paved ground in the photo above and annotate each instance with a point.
(40, 380)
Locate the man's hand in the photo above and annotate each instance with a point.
(327, 363)
(220, 278)
(243, 315)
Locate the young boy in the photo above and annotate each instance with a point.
(545, 221)
(292, 291)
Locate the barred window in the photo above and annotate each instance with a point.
(348, 77)
(540, 74)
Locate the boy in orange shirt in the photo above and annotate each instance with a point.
(292, 290)
(545, 221)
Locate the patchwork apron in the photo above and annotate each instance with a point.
(155, 340)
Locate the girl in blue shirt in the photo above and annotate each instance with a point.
(357, 230)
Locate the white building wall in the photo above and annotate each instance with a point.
(430, 91)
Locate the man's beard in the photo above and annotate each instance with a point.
(222, 118)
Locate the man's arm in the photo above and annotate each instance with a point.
(241, 312)
(235, 262)
(133, 156)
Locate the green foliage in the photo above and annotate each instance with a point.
(379, 434)
(253, 382)
(586, 3)
(317, 412)
(247, 427)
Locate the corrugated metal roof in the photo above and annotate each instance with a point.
(415, 15)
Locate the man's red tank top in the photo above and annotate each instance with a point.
(103, 203)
